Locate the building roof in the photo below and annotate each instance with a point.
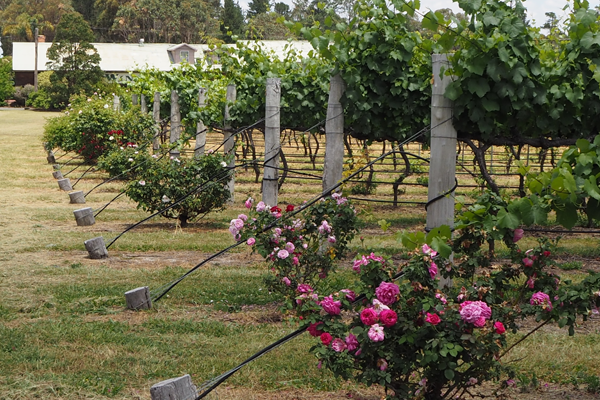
(123, 57)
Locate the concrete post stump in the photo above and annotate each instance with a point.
(51, 159)
(65, 184)
(84, 216)
(138, 298)
(77, 197)
(180, 388)
(57, 175)
(96, 248)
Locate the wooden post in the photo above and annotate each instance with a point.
(57, 175)
(35, 70)
(65, 184)
(228, 138)
(270, 190)
(143, 105)
(116, 103)
(200, 128)
(156, 116)
(175, 123)
(134, 99)
(96, 248)
(442, 167)
(180, 388)
(77, 197)
(51, 158)
(138, 299)
(334, 134)
(84, 216)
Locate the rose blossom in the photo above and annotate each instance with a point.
(518, 235)
(433, 319)
(541, 299)
(433, 270)
(331, 239)
(289, 246)
(350, 295)
(142, 183)
(376, 333)
(388, 318)
(351, 342)
(304, 288)
(250, 241)
(313, 330)
(248, 203)
(283, 254)
(338, 345)
(331, 307)
(428, 250)
(326, 338)
(382, 364)
(324, 228)
(261, 206)
(243, 217)
(499, 327)
(475, 312)
(368, 316)
(295, 261)
(358, 263)
(238, 223)
(289, 208)
(286, 280)
(387, 292)
(379, 306)
(528, 262)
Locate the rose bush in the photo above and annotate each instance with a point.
(421, 340)
(302, 245)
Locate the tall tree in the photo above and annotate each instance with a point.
(256, 7)
(282, 9)
(267, 27)
(74, 60)
(6, 79)
(232, 22)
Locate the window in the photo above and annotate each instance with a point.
(184, 55)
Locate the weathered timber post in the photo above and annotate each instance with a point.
(77, 197)
(96, 248)
(175, 123)
(156, 116)
(143, 105)
(84, 216)
(180, 388)
(228, 138)
(138, 299)
(50, 158)
(442, 167)
(334, 134)
(65, 184)
(116, 103)
(134, 99)
(270, 189)
(57, 175)
(200, 128)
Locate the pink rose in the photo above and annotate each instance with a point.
(473, 311)
(518, 235)
(248, 203)
(528, 262)
(331, 239)
(382, 364)
(295, 261)
(250, 241)
(376, 333)
(312, 329)
(289, 246)
(388, 318)
(358, 263)
(433, 270)
(351, 342)
(499, 327)
(480, 323)
(428, 250)
(368, 316)
(286, 280)
(324, 228)
(243, 217)
(541, 299)
(283, 254)
(387, 292)
(338, 345)
(261, 206)
(331, 307)
(350, 295)
(433, 319)
(304, 288)
(326, 338)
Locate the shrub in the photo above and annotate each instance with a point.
(22, 93)
(125, 162)
(300, 248)
(189, 186)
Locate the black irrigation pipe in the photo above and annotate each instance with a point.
(298, 210)
(592, 231)
(109, 203)
(386, 201)
(73, 169)
(82, 175)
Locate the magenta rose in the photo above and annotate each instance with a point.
(369, 316)
(304, 288)
(338, 345)
(313, 330)
(326, 338)
(351, 342)
(499, 327)
(388, 318)
(331, 307)
(433, 319)
(387, 292)
(350, 295)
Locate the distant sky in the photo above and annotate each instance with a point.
(535, 8)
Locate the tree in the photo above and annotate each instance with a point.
(256, 7)
(232, 22)
(552, 21)
(282, 9)
(266, 27)
(74, 60)
(6, 79)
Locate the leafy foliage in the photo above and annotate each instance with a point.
(6, 79)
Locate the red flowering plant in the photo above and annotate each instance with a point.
(301, 245)
(421, 339)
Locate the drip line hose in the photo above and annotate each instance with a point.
(72, 169)
(82, 175)
(441, 196)
(212, 384)
(107, 204)
(298, 210)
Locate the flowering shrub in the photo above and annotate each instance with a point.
(90, 127)
(163, 182)
(422, 341)
(125, 161)
(299, 247)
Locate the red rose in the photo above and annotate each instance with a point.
(433, 319)
(312, 329)
(290, 207)
(326, 338)
(388, 317)
(275, 209)
(499, 327)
